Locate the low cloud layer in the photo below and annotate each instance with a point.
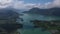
(22, 5)
(55, 3)
(5, 3)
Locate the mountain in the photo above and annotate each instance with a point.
(52, 11)
(8, 18)
(5, 13)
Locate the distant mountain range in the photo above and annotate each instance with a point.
(6, 13)
(52, 11)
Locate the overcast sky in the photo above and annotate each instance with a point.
(28, 4)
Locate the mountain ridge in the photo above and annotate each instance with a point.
(52, 11)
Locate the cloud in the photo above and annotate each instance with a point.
(55, 3)
(22, 5)
(5, 3)
(26, 6)
(17, 4)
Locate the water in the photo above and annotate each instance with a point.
(28, 26)
(34, 31)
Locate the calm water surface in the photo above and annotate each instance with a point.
(28, 27)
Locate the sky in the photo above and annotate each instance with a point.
(37, 1)
(28, 4)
